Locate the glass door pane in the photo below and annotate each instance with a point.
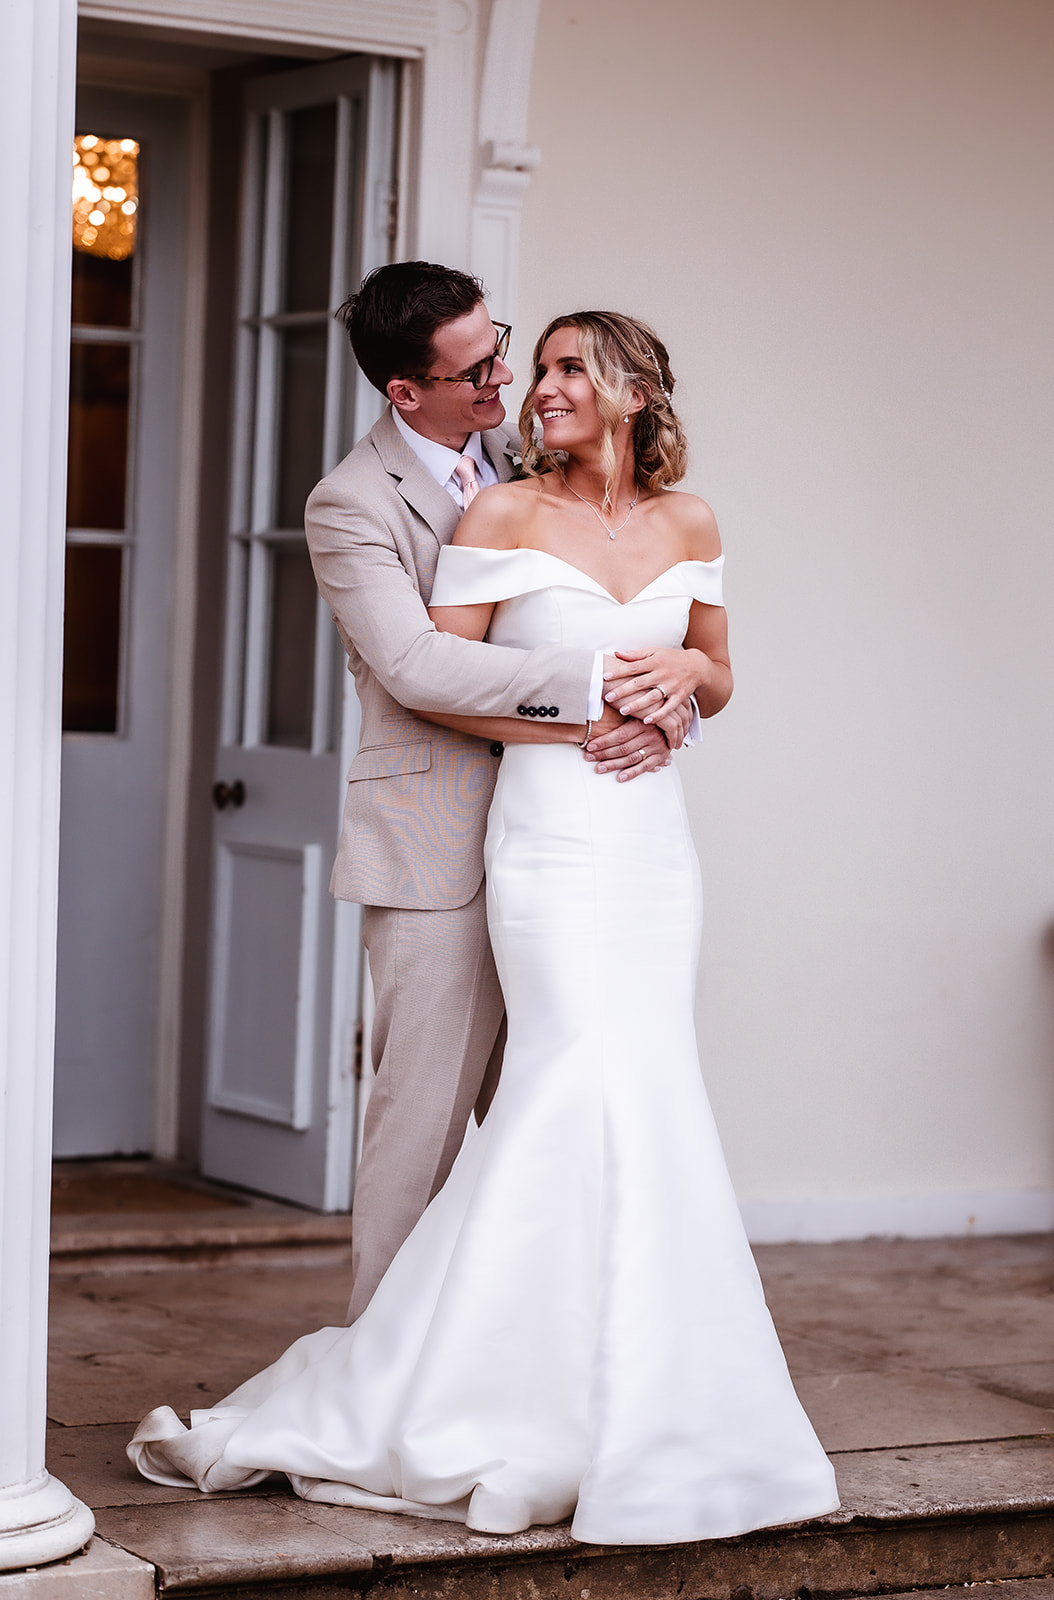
(100, 398)
(91, 638)
(302, 420)
(302, 209)
(291, 668)
(311, 144)
(105, 217)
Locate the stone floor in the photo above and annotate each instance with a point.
(926, 1366)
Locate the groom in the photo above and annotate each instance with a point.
(411, 844)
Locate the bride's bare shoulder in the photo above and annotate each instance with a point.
(499, 517)
(695, 523)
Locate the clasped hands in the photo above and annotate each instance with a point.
(647, 711)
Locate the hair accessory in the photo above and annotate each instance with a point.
(658, 369)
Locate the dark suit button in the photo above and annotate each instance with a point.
(521, 711)
(554, 711)
(532, 711)
(497, 748)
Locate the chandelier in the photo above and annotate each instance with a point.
(105, 195)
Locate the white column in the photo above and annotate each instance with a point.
(39, 1519)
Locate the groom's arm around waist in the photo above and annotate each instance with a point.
(360, 563)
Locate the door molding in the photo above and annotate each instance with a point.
(467, 164)
(184, 626)
(507, 160)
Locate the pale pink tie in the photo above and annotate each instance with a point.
(465, 473)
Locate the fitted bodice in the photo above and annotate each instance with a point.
(542, 599)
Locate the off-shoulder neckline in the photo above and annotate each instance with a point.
(547, 555)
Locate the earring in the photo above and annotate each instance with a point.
(625, 419)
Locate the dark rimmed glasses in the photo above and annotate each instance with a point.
(479, 375)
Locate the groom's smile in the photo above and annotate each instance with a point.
(448, 408)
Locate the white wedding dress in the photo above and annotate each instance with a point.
(576, 1325)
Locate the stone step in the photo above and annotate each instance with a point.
(108, 1246)
(916, 1519)
(995, 1589)
(111, 1217)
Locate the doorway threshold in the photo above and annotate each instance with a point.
(147, 1216)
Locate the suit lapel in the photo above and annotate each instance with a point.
(416, 485)
(495, 443)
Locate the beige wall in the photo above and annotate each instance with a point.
(837, 212)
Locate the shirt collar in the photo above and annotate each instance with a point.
(438, 459)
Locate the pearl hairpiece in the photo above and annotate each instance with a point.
(658, 369)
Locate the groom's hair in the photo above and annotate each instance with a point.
(393, 320)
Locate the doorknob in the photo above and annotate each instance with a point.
(228, 794)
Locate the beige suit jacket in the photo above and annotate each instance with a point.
(416, 807)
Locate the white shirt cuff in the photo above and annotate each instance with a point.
(595, 702)
(695, 727)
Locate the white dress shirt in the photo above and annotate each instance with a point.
(440, 461)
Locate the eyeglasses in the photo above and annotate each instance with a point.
(479, 375)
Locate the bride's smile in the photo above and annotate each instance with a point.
(565, 401)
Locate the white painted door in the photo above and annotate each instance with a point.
(129, 207)
(284, 1008)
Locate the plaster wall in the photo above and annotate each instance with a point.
(838, 217)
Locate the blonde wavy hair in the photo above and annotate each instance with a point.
(621, 357)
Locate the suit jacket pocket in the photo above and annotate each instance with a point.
(391, 760)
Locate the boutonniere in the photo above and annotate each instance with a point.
(515, 460)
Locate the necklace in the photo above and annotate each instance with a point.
(595, 509)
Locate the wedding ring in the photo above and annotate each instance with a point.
(643, 754)
(662, 691)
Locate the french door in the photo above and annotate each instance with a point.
(129, 206)
(284, 1035)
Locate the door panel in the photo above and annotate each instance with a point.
(268, 904)
(280, 1106)
(129, 207)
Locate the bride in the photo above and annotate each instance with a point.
(576, 1326)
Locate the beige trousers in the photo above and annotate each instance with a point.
(436, 1050)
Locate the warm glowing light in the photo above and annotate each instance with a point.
(105, 191)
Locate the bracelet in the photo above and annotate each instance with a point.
(581, 743)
